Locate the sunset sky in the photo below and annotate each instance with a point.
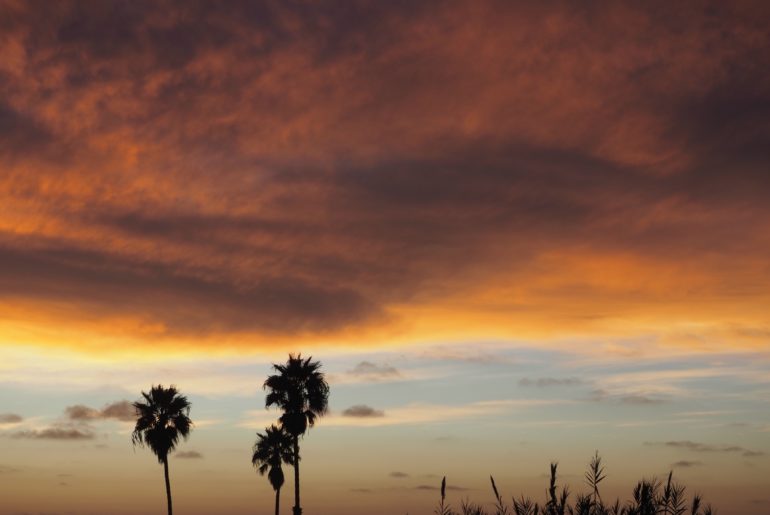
(514, 233)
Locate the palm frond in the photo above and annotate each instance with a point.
(162, 419)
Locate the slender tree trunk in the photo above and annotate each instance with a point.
(168, 484)
(277, 500)
(297, 508)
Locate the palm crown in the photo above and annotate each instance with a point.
(162, 419)
(300, 390)
(272, 449)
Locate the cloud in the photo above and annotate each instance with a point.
(470, 355)
(56, 432)
(5, 469)
(80, 412)
(188, 455)
(10, 418)
(414, 413)
(448, 487)
(398, 475)
(379, 372)
(362, 411)
(120, 410)
(543, 382)
(640, 400)
(704, 447)
(361, 490)
(686, 464)
(632, 399)
(374, 372)
(21, 133)
(371, 199)
(98, 277)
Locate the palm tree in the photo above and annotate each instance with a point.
(271, 450)
(161, 420)
(300, 390)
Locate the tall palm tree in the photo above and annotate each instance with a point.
(161, 419)
(272, 449)
(301, 391)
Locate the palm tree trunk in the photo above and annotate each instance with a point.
(277, 500)
(168, 484)
(297, 508)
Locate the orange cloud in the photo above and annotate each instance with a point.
(185, 179)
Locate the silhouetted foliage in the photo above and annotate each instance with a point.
(649, 498)
(469, 508)
(500, 507)
(271, 450)
(162, 419)
(595, 475)
(443, 508)
(300, 390)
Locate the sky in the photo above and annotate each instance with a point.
(512, 232)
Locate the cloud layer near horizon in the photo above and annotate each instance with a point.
(256, 173)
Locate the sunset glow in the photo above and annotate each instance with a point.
(512, 232)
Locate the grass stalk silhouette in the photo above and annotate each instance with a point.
(649, 497)
(443, 508)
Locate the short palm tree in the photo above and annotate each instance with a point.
(271, 450)
(301, 391)
(162, 418)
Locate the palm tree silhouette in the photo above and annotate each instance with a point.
(300, 390)
(271, 450)
(161, 420)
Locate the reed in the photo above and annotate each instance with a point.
(649, 497)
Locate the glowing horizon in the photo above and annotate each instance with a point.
(547, 224)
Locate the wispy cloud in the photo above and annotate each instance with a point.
(686, 464)
(632, 399)
(370, 370)
(188, 455)
(10, 419)
(666, 381)
(76, 426)
(56, 432)
(707, 448)
(642, 400)
(448, 487)
(362, 411)
(414, 413)
(477, 354)
(202, 375)
(120, 410)
(544, 382)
